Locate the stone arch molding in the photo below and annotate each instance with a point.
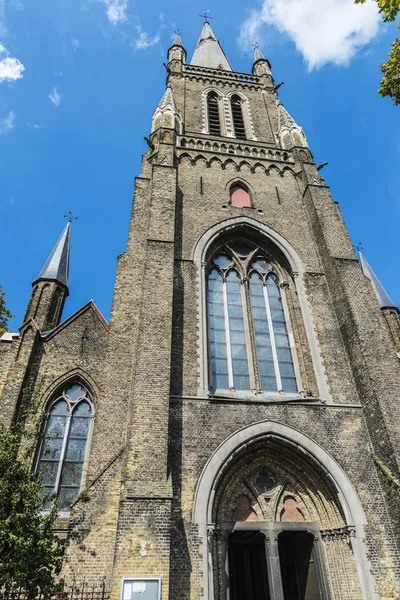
(347, 497)
(76, 373)
(297, 266)
(225, 114)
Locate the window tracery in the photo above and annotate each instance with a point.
(249, 344)
(64, 445)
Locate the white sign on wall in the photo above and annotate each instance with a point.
(141, 588)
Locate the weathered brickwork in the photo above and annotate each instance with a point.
(168, 456)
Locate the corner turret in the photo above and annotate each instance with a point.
(262, 66)
(176, 56)
(50, 288)
(389, 309)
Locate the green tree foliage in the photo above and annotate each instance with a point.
(4, 313)
(30, 552)
(390, 84)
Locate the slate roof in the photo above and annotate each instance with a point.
(380, 292)
(208, 52)
(57, 265)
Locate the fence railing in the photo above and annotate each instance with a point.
(84, 591)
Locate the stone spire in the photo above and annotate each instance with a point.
(57, 265)
(289, 133)
(166, 114)
(208, 52)
(380, 292)
(257, 54)
(177, 41)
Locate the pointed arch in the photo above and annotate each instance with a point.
(63, 449)
(241, 122)
(241, 441)
(250, 226)
(213, 123)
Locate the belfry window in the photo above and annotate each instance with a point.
(64, 445)
(249, 343)
(237, 117)
(214, 125)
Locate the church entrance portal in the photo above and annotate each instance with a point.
(250, 561)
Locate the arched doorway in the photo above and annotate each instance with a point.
(278, 525)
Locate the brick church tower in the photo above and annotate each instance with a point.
(235, 428)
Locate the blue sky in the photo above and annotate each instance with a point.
(79, 80)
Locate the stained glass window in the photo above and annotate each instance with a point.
(63, 449)
(248, 338)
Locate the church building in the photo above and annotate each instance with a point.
(232, 433)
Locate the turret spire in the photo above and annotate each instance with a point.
(258, 54)
(57, 265)
(177, 40)
(208, 52)
(380, 292)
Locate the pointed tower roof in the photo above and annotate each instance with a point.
(258, 54)
(208, 52)
(57, 265)
(380, 292)
(177, 41)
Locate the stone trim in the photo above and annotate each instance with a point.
(199, 255)
(347, 496)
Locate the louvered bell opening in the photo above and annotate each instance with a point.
(237, 115)
(214, 126)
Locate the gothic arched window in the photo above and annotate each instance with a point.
(214, 125)
(248, 338)
(237, 117)
(240, 196)
(64, 445)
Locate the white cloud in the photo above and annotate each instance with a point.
(55, 97)
(116, 10)
(328, 31)
(8, 123)
(144, 40)
(75, 44)
(11, 68)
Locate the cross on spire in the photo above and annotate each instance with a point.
(205, 15)
(69, 217)
(255, 46)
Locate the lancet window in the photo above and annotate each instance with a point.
(249, 343)
(214, 125)
(64, 445)
(237, 117)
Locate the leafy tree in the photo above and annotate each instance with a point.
(4, 313)
(390, 84)
(30, 552)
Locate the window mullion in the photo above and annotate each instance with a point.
(227, 334)
(250, 337)
(272, 336)
(62, 454)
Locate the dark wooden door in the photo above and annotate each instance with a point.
(248, 578)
